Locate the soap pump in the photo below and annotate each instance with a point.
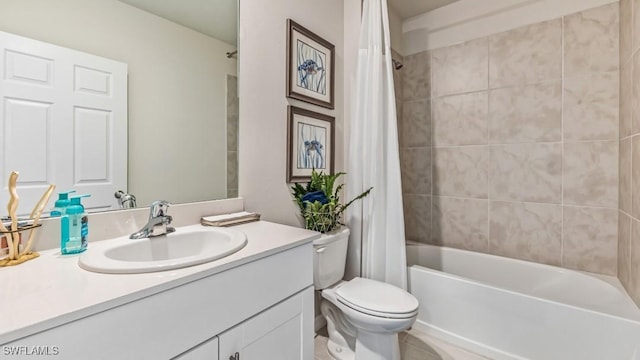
(61, 204)
(74, 227)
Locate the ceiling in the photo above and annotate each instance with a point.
(216, 18)
(409, 8)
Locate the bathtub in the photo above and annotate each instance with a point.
(510, 309)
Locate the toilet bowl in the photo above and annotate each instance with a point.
(363, 316)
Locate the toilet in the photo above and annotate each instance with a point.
(363, 316)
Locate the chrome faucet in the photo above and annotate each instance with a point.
(127, 201)
(158, 222)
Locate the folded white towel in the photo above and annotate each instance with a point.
(229, 219)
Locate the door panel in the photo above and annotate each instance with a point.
(63, 118)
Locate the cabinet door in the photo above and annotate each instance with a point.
(208, 350)
(282, 332)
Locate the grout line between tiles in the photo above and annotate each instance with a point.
(631, 277)
(629, 247)
(522, 202)
(562, 103)
(561, 142)
(431, 144)
(487, 121)
(629, 258)
(626, 213)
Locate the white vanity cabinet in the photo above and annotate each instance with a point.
(278, 333)
(261, 306)
(206, 351)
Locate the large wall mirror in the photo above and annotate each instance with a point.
(181, 102)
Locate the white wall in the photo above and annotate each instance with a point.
(177, 120)
(395, 25)
(263, 105)
(470, 19)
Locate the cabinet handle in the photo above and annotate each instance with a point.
(235, 356)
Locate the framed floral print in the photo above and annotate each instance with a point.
(310, 66)
(310, 144)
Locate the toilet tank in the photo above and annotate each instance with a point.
(329, 258)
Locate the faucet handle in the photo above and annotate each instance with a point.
(159, 208)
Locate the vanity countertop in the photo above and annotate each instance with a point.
(53, 290)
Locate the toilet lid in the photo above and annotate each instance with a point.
(377, 298)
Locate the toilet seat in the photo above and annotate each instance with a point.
(377, 299)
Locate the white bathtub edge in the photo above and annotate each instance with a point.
(462, 342)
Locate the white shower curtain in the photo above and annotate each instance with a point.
(374, 156)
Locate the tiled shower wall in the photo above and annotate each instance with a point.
(509, 143)
(629, 203)
(232, 136)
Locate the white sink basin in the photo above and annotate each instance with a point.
(187, 246)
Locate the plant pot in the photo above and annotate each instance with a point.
(324, 222)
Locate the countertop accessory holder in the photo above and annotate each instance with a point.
(15, 255)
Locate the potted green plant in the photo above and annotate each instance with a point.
(319, 202)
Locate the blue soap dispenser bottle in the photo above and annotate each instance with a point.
(61, 204)
(74, 227)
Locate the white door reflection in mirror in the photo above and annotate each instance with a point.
(63, 120)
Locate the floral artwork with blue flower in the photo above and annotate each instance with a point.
(311, 68)
(311, 147)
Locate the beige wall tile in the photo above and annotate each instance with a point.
(232, 169)
(624, 250)
(591, 107)
(624, 171)
(625, 100)
(526, 113)
(460, 68)
(590, 237)
(416, 171)
(591, 173)
(591, 42)
(635, 31)
(461, 119)
(460, 223)
(416, 76)
(526, 172)
(635, 177)
(417, 217)
(399, 122)
(232, 95)
(416, 123)
(634, 268)
(397, 87)
(525, 119)
(635, 94)
(626, 27)
(461, 171)
(526, 231)
(526, 55)
(232, 132)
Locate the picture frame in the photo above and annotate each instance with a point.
(310, 66)
(310, 144)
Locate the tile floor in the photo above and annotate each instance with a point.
(414, 345)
